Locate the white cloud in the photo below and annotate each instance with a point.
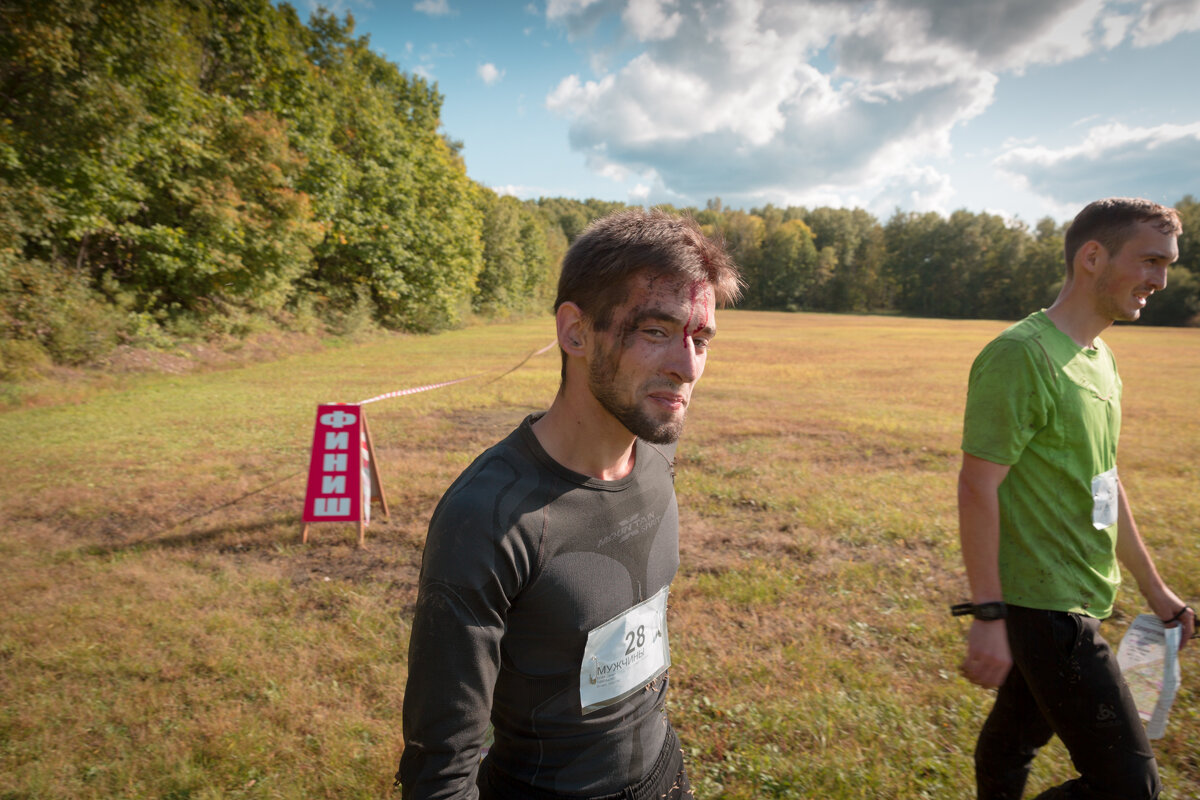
(914, 189)
(1162, 20)
(515, 190)
(1156, 162)
(565, 9)
(573, 98)
(648, 20)
(434, 8)
(725, 96)
(1116, 27)
(1071, 35)
(490, 74)
(736, 108)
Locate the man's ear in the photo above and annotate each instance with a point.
(573, 329)
(1090, 257)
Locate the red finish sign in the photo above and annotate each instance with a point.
(335, 472)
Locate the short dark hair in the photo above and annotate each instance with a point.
(598, 267)
(1112, 222)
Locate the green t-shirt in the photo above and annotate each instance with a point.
(1051, 410)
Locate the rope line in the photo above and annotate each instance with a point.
(427, 387)
(415, 389)
(518, 366)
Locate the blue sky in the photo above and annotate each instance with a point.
(1025, 108)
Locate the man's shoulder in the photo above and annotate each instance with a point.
(482, 505)
(1016, 344)
(1025, 333)
(1024, 347)
(496, 467)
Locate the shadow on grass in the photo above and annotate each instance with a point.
(276, 540)
(195, 538)
(163, 541)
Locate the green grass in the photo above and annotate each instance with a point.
(166, 635)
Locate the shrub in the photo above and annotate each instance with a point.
(57, 310)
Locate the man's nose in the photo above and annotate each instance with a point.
(1158, 278)
(686, 362)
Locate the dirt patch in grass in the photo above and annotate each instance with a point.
(712, 545)
(336, 557)
(214, 354)
(136, 359)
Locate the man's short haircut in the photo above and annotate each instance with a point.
(1113, 221)
(603, 260)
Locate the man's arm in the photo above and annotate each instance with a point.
(468, 576)
(1132, 552)
(988, 658)
(453, 660)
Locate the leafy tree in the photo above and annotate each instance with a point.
(786, 267)
(390, 192)
(543, 247)
(502, 281)
(1189, 240)
(910, 261)
(850, 242)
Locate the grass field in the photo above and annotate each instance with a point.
(165, 634)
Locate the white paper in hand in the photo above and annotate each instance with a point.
(1149, 660)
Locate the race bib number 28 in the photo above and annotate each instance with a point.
(625, 653)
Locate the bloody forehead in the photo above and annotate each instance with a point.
(664, 299)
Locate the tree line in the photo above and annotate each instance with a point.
(193, 168)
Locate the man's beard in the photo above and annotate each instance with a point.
(601, 373)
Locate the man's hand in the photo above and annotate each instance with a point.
(1167, 606)
(1131, 549)
(1188, 621)
(988, 657)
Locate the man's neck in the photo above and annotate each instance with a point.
(580, 434)
(1074, 314)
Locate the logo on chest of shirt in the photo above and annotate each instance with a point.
(631, 527)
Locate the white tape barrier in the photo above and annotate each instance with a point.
(426, 388)
(416, 389)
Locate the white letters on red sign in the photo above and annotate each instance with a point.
(336, 467)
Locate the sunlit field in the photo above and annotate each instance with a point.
(166, 635)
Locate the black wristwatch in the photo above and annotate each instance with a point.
(984, 611)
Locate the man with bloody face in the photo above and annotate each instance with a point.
(543, 590)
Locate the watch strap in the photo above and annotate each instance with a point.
(984, 611)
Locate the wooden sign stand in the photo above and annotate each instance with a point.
(343, 480)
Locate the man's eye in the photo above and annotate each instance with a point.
(657, 333)
(700, 344)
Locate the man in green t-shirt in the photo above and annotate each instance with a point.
(1043, 519)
